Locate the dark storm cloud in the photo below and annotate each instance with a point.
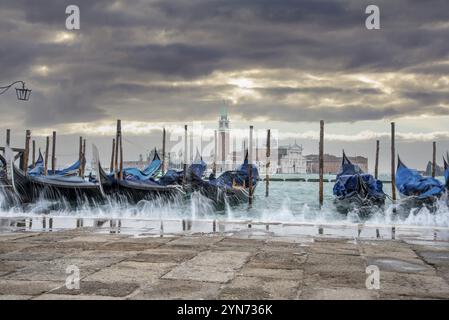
(349, 113)
(285, 91)
(128, 55)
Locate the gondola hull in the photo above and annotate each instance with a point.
(220, 196)
(134, 190)
(363, 206)
(406, 204)
(31, 189)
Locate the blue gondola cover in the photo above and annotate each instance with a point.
(351, 180)
(411, 183)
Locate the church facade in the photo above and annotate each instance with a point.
(291, 159)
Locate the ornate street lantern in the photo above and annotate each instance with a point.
(23, 93)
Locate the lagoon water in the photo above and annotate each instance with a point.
(288, 202)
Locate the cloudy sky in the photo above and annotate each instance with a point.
(281, 64)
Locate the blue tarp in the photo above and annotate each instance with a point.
(197, 168)
(145, 174)
(239, 177)
(351, 180)
(38, 169)
(410, 183)
(194, 171)
(70, 170)
(171, 177)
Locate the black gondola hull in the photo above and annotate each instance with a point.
(220, 196)
(31, 189)
(363, 206)
(135, 191)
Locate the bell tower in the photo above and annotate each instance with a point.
(223, 139)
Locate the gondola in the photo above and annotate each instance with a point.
(136, 187)
(73, 189)
(231, 187)
(356, 190)
(416, 190)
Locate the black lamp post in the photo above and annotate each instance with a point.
(22, 93)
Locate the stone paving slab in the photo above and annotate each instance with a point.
(397, 285)
(15, 297)
(278, 260)
(164, 255)
(285, 274)
(209, 266)
(344, 248)
(28, 288)
(97, 288)
(179, 289)
(13, 236)
(132, 272)
(194, 242)
(36, 254)
(335, 262)
(55, 270)
(218, 266)
(256, 288)
(9, 246)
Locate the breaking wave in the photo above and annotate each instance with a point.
(288, 202)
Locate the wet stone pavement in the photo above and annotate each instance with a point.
(218, 266)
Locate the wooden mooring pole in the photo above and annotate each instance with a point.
(26, 154)
(250, 165)
(34, 153)
(267, 166)
(47, 145)
(111, 168)
(83, 161)
(53, 153)
(121, 150)
(376, 165)
(321, 164)
(184, 166)
(8, 137)
(116, 150)
(163, 150)
(434, 158)
(393, 163)
(80, 157)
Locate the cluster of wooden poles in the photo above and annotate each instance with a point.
(25, 152)
(376, 165)
(117, 156)
(116, 166)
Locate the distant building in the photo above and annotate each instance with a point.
(332, 164)
(291, 159)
